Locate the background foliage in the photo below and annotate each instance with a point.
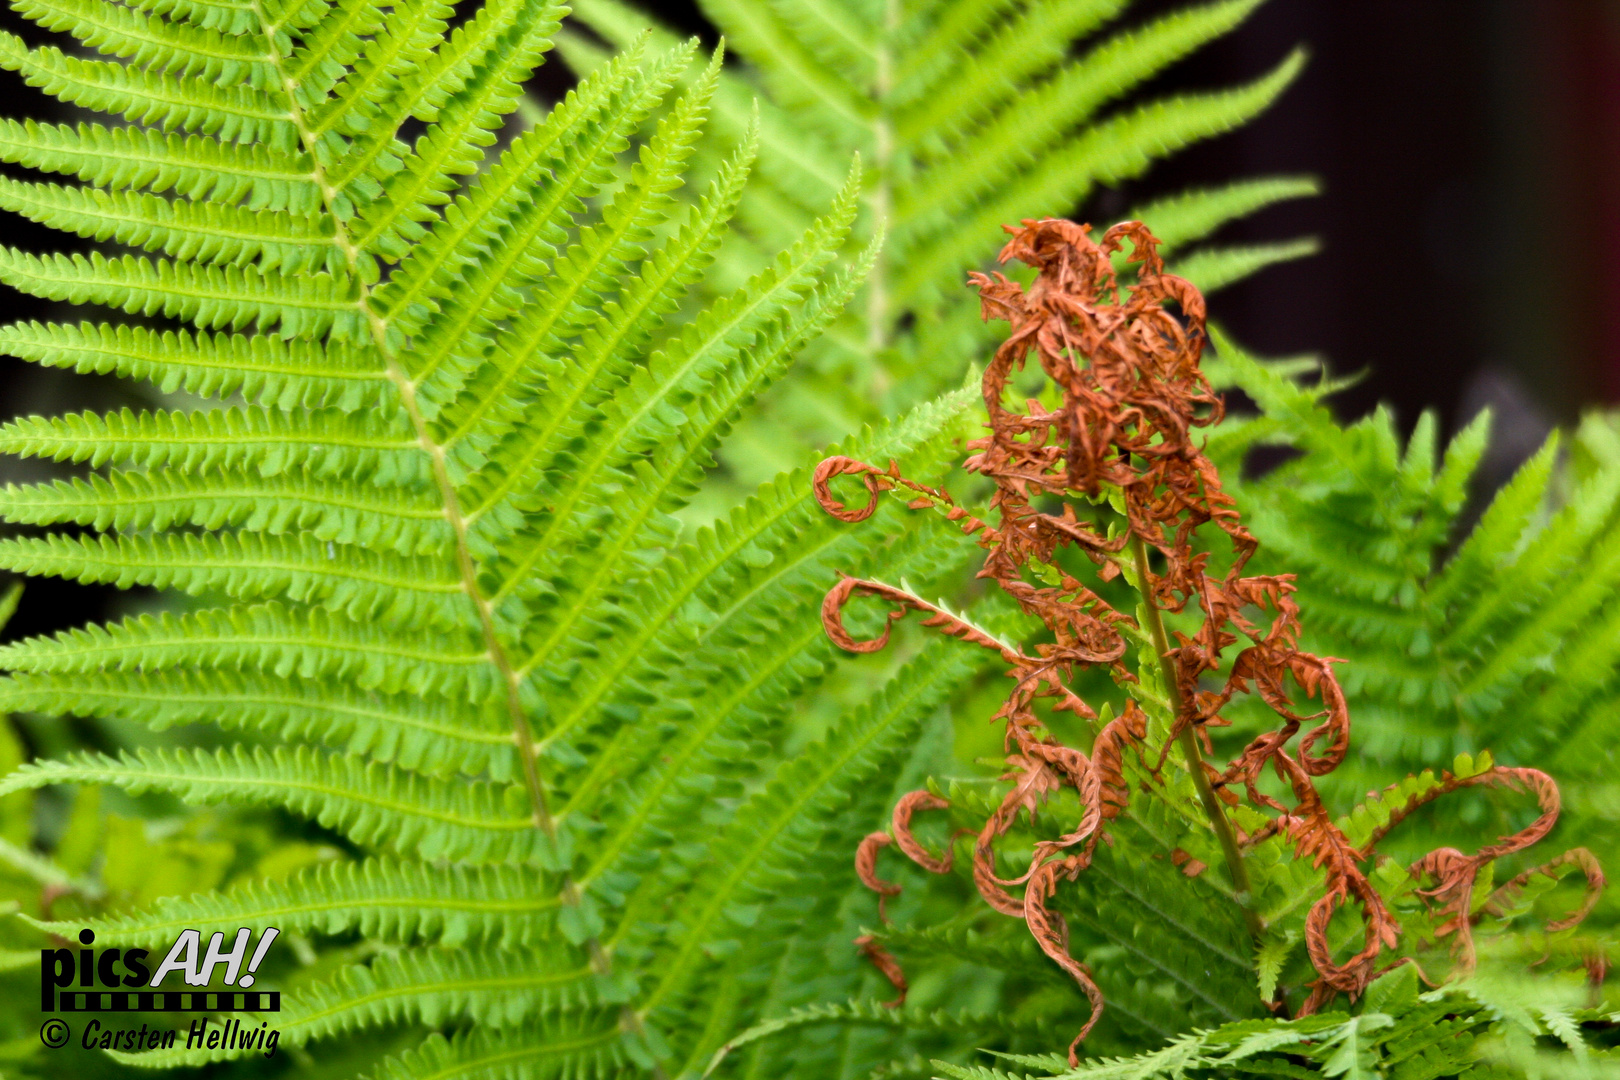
(966, 116)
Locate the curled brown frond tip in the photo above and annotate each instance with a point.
(1124, 361)
(881, 959)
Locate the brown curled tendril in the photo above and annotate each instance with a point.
(838, 466)
(832, 617)
(1580, 858)
(866, 869)
(909, 804)
(1132, 400)
(1455, 874)
(885, 962)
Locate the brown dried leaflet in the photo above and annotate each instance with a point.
(1132, 398)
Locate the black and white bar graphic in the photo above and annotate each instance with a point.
(169, 1001)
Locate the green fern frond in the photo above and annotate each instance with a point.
(1213, 267)
(727, 590)
(1492, 639)
(266, 370)
(205, 232)
(1116, 149)
(429, 735)
(241, 113)
(136, 158)
(267, 442)
(855, 1012)
(371, 803)
(461, 391)
(467, 381)
(748, 857)
(362, 584)
(211, 297)
(1007, 145)
(397, 518)
(1191, 215)
(385, 899)
(492, 988)
(1436, 1035)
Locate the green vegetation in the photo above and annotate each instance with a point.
(477, 680)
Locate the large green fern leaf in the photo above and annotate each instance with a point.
(425, 521)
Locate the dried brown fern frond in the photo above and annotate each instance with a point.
(1132, 398)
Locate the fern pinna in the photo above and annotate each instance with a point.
(1118, 430)
(421, 494)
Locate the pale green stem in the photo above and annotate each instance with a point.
(1188, 741)
(877, 285)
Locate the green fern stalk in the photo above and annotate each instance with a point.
(1188, 741)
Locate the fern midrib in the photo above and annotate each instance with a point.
(491, 984)
(162, 929)
(523, 734)
(150, 778)
(168, 697)
(407, 393)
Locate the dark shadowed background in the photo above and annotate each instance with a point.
(1470, 225)
(1470, 152)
